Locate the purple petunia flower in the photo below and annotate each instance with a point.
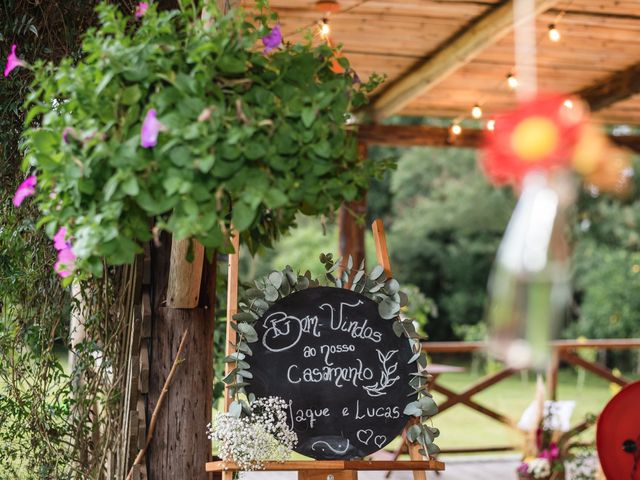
(66, 262)
(150, 129)
(141, 9)
(12, 61)
(26, 189)
(272, 40)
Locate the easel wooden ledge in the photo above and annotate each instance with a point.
(318, 469)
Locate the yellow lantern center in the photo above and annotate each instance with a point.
(534, 138)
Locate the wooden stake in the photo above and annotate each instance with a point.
(382, 254)
(183, 290)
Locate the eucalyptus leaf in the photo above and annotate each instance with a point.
(413, 410)
(376, 272)
(276, 279)
(270, 293)
(235, 409)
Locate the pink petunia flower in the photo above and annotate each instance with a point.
(141, 9)
(12, 61)
(150, 129)
(26, 189)
(272, 40)
(66, 262)
(59, 240)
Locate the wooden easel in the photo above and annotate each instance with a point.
(318, 469)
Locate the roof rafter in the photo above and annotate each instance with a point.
(431, 136)
(456, 52)
(615, 88)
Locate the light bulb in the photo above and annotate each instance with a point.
(554, 33)
(476, 111)
(456, 129)
(568, 104)
(491, 125)
(325, 29)
(512, 81)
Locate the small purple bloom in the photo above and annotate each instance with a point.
(68, 131)
(141, 9)
(26, 189)
(66, 262)
(523, 469)
(12, 61)
(272, 40)
(150, 129)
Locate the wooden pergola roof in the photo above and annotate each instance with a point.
(443, 56)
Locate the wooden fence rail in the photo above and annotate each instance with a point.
(562, 350)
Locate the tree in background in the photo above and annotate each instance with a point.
(447, 225)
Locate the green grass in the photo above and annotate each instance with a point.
(462, 427)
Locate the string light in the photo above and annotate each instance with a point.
(491, 125)
(476, 111)
(568, 104)
(512, 81)
(554, 33)
(325, 29)
(456, 129)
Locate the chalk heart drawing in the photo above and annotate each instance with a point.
(364, 436)
(380, 440)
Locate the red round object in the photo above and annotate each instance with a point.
(619, 421)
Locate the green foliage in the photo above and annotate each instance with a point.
(250, 140)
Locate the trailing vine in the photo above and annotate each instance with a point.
(181, 121)
(258, 298)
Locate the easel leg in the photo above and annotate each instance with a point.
(382, 254)
(327, 475)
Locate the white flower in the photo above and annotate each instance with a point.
(262, 436)
(539, 468)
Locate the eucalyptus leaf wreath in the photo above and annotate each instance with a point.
(256, 299)
(187, 121)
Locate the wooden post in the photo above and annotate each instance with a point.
(179, 447)
(382, 254)
(351, 232)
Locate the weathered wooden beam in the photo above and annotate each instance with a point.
(613, 89)
(455, 52)
(429, 136)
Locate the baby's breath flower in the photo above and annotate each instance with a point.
(252, 440)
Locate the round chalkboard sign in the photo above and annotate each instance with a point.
(345, 374)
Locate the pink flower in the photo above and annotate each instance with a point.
(141, 9)
(66, 262)
(272, 40)
(550, 453)
(12, 61)
(59, 240)
(150, 129)
(26, 189)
